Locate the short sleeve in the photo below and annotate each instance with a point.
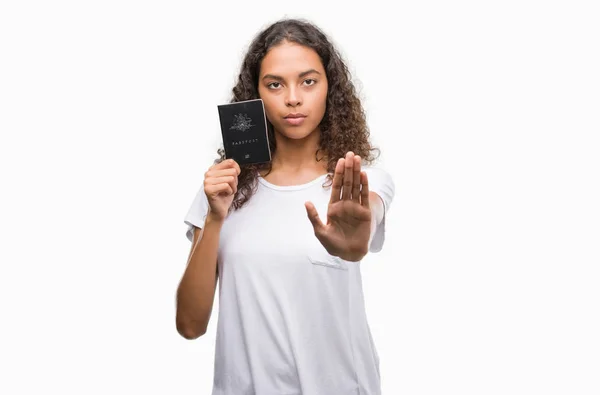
(196, 214)
(380, 182)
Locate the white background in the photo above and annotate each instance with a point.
(488, 117)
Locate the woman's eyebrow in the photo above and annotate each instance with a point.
(278, 78)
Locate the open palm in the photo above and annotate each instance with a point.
(347, 230)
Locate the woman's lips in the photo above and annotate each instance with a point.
(294, 121)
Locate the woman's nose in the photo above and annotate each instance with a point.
(293, 99)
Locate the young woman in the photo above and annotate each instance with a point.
(285, 239)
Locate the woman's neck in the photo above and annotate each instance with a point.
(294, 156)
(295, 161)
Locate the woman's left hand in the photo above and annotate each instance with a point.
(347, 231)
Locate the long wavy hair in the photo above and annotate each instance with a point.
(343, 127)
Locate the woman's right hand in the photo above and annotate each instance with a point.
(220, 186)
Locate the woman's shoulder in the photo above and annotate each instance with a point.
(377, 170)
(380, 180)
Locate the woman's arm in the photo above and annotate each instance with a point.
(377, 212)
(196, 291)
(376, 207)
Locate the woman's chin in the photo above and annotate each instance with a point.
(295, 133)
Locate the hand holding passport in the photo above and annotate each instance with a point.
(244, 131)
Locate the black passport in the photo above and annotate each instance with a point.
(244, 131)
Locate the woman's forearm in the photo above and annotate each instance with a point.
(196, 291)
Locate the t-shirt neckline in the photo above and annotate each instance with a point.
(291, 187)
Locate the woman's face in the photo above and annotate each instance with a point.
(293, 86)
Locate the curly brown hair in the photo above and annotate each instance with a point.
(343, 127)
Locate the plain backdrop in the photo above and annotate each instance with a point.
(487, 114)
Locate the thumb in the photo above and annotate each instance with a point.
(313, 216)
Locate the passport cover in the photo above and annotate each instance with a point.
(244, 131)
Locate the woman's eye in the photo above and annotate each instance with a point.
(313, 81)
(273, 83)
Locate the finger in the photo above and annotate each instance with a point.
(236, 166)
(348, 170)
(230, 180)
(222, 172)
(220, 165)
(226, 175)
(219, 180)
(313, 216)
(234, 184)
(356, 180)
(364, 193)
(219, 189)
(338, 177)
(227, 163)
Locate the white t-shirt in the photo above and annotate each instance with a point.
(291, 316)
